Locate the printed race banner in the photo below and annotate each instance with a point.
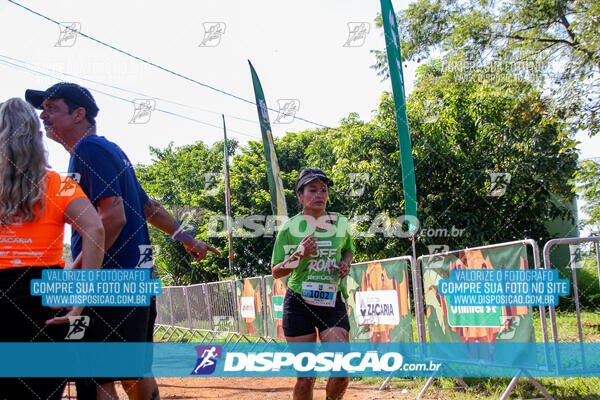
(273, 174)
(251, 310)
(394, 55)
(275, 292)
(379, 302)
(474, 324)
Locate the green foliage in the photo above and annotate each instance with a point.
(588, 285)
(589, 189)
(463, 127)
(554, 43)
(178, 179)
(461, 130)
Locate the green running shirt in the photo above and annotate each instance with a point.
(331, 244)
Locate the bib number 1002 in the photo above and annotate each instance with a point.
(318, 294)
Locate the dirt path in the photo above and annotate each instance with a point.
(252, 389)
(258, 388)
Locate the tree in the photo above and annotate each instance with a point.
(463, 128)
(554, 43)
(186, 181)
(590, 192)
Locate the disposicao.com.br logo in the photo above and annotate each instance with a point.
(307, 362)
(293, 360)
(207, 359)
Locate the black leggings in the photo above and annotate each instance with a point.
(24, 318)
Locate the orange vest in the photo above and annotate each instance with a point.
(40, 242)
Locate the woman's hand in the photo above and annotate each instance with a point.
(307, 247)
(73, 312)
(344, 269)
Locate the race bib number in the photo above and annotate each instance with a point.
(319, 294)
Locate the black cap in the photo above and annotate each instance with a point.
(64, 90)
(309, 175)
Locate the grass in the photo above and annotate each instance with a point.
(180, 335)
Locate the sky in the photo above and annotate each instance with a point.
(300, 50)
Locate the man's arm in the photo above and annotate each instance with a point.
(112, 214)
(161, 219)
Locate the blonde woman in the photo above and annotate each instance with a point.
(35, 203)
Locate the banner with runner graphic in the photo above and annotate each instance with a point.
(250, 306)
(275, 294)
(475, 324)
(379, 302)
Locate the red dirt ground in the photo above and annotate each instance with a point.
(253, 388)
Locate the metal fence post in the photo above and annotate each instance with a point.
(187, 307)
(598, 260)
(418, 299)
(237, 311)
(171, 310)
(265, 305)
(208, 306)
(537, 265)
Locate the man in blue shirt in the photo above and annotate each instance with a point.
(108, 178)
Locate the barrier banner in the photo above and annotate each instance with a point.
(379, 302)
(251, 315)
(275, 294)
(475, 324)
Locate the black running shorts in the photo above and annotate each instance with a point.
(301, 318)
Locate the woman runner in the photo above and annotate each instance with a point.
(315, 249)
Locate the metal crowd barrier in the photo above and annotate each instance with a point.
(242, 308)
(233, 310)
(418, 281)
(548, 265)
